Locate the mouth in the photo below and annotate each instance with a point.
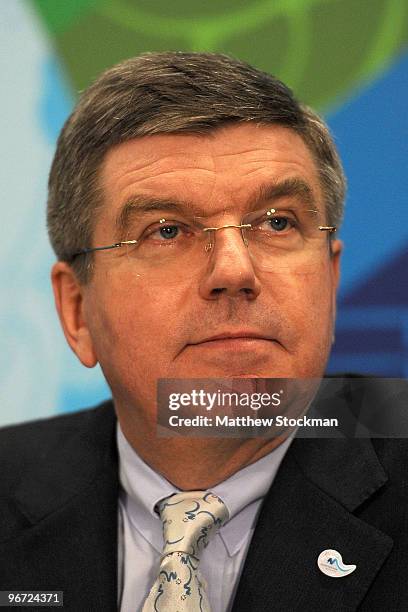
(234, 340)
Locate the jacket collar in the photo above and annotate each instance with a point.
(308, 510)
(64, 536)
(81, 453)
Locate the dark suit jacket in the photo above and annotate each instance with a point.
(58, 520)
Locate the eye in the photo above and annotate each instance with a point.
(166, 231)
(276, 223)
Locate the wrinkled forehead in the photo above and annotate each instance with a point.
(221, 171)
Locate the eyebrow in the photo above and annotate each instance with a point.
(138, 205)
(296, 188)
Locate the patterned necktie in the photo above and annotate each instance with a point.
(190, 519)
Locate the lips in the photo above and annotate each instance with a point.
(234, 335)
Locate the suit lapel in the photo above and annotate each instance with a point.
(65, 537)
(307, 510)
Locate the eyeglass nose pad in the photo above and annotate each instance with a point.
(211, 235)
(210, 244)
(243, 234)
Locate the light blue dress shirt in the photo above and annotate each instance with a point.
(140, 539)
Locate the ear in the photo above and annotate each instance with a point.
(336, 251)
(69, 295)
(335, 254)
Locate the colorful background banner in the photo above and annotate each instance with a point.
(347, 59)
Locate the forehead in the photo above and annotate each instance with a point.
(217, 171)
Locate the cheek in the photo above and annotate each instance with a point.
(132, 321)
(308, 294)
(315, 314)
(307, 307)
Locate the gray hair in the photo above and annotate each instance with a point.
(174, 92)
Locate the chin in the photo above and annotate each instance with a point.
(239, 372)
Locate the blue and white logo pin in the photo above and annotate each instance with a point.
(331, 563)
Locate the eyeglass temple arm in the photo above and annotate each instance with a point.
(104, 248)
(322, 228)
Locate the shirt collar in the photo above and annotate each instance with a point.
(242, 493)
(145, 486)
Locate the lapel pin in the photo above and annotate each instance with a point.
(331, 563)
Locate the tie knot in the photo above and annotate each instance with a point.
(190, 519)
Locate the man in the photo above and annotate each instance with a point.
(192, 208)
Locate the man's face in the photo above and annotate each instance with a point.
(142, 329)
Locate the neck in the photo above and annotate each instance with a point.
(195, 463)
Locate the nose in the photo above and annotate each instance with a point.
(230, 270)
